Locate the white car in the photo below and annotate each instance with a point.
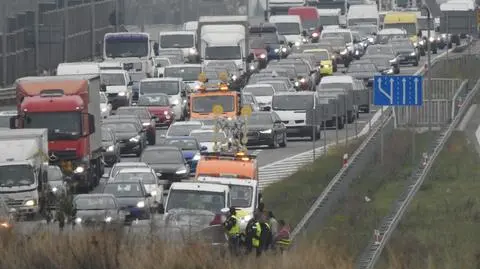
(183, 128)
(105, 106)
(262, 92)
(206, 138)
(149, 179)
(120, 166)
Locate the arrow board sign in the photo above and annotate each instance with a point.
(398, 90)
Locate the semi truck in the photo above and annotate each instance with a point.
(223, 38)
(69, 107)
(458, 18)
(23, 170)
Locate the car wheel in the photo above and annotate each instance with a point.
(274, 144)
(139, 152)
(152, 140)
(284, 141)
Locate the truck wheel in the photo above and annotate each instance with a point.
(152, 140)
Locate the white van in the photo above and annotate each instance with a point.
(363, 14)
(197, 196)
(263, 93)
(341, 82)
(340, 32)
(110, 65)
(244, 195)
(184, 40)
(292, 107)
(329, 17)
(78, 68)
(118, 87)
(290, 26)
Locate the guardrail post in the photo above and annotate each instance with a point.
(4, 17)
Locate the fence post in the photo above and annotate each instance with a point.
(65, 29)
(37, 37)
(93, 13)
(4, 41)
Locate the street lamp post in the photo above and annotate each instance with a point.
(429, 69)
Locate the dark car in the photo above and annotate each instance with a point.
(132, 197)
(383, 50)
(94, 209)
(364, 71)
(135, 91)
(339, 50)
(266, 128)
(168, 161)
(384, 64)
(190, 149)
(130, 135)
(312, 62)
(406, 52)
(111, 147)
(159, 105)
(57, 183)
(258, 49)
(148, 120)
(304, 80)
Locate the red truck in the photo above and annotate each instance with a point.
(69, 107)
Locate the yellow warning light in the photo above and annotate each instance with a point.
(202, 77)
(217, 109)
(240, 153)
(223, 87)
(245, 159)
(223, 76)
(246, 111)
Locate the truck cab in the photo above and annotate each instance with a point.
(223, 164)
(184, 40)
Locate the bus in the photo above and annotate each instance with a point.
(133, 50)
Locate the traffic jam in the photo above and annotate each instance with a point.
(164, 128)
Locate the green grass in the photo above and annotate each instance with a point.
(290, 198)
(352, 224)
(441, 228)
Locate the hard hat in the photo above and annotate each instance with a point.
(225, 210)
(232, 210)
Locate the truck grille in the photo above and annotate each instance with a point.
(252, 134)
(14, 203)
(62, 155)
(112, 94)
(166, 175)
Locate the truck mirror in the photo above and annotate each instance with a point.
(13, 122)
(91, 123)
(130, 83)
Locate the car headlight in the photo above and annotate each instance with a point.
(269, 131)
(392, 61)
(263, 56)
(196, 157)
(252, 67)
(30, 203)
(153, 193)
(315, 34)
(344, 51)
(108, 219)
(135, 139)
(165, 113)
(415, 44)
(110, 148)
(297, 43)
(431, 39)
(79, 170)
(175, 102)
(234, 77)
(444, 35)
(276, 50)
(421, 42)
(121, 94)
(141, 204)
(389, 71)
(146, 124)
(192, 51)
(54, 189)
(78, 220)
(413, 54)
(304, 40)
(297, 84)
(181, 171)
(371, 40)
(302, 80)
(284, 49)
(104, 109)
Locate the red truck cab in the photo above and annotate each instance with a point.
(68, 106)
(308, 15)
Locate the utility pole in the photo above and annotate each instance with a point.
(429, 72)
(93, 36)
(37, 37)
(65, 31)
(4, 17)
(117, 16)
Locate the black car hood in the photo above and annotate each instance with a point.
(259, 127)
(166, 168)
(126, 135)
(95, 215)
(404, 51)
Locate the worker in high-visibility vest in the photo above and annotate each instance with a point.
(254, 233)
(232, 226)
(282, 240)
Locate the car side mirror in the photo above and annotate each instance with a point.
(304, 33)
(290, 44)
(203, 148)
(278, 122)
(91, 123)
(103, 87)
(130, 83)
(13, 122)
(184, 94)
(158, 65)
(160, 75)
(172, 105)
(282, 42)
(267, 108)
(158, 174)
(313, 72)
(148, 195)
(154, 117)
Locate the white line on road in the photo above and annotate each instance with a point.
(467, 117)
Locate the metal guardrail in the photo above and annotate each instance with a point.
(389, 224)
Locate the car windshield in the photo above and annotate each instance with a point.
(16, 175)
(345, 35)
(241, 196)
(166, 87)
(183, 144)
(364, 29)
(248, 99)
(376, 50)
(385, 38)
(121, 127)
(380, 62)
(260, 119)
(161, 62)
(186, 73)
(259, 91)
(359, 68)
(128, 111)
(292, 102)
(336, 42)
(60, 125)
(118, 168)
(112, 79)
(196, 200)
(103, 99)
(411, 28)
(336, 85)
(301, 68)
(204, 137)
(309, 24)
(329, 20)
(106, 136)
(204, 104)
(145, 177)
(119, 47)
(94, 203)
(223, 53)
(257, 44)
(278, 86)
(182, 130)
(403, 46)
(288, 28)
(319, 55)
(124, 189)
(176, 41)
(153, 100)
(54, 174)
(162, 156)
(224, 66)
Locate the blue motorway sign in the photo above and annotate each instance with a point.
(398, 90)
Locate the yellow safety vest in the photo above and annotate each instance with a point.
(235, 230)
(258, 232)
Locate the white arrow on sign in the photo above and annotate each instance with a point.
(404, 82)
(416, 90)
(389, 96)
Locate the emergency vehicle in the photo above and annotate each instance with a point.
(214, 98)
(237, 165)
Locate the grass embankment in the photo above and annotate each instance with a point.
(371, 196)
(290, 198)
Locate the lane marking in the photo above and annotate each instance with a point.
(467, 117)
